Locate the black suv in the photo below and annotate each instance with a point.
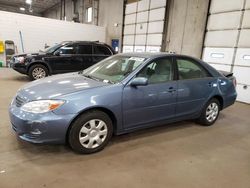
(61, 58)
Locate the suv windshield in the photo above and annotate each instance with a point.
(113, 69)
(53, 48)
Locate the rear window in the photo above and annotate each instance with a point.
(102, 50)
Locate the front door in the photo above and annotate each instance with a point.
(65, 60)
(153, 102)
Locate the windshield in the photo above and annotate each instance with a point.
(53, 48)
(113, 69)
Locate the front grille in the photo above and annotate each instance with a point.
(19, 101)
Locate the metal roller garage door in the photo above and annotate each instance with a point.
(143, 26)
(227, 41)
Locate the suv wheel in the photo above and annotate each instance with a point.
(90, 132)
(210, 112)
(37, 72)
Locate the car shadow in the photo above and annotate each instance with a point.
(19, 78)
(118, 144)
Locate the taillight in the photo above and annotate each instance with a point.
(234, 82)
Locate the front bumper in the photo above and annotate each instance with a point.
(21, 68)
(39, 128)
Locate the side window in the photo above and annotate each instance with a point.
(84, 49)
(101, 50)
(69, 49)
(158, 71)
(190, 70)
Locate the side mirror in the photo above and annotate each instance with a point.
(139, 81)
(57, 53)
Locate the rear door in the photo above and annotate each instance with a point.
(195, 86)
(84, 52)
(100, 52)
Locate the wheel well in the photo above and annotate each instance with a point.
(108, 112)
(38, 63)
(220, 99)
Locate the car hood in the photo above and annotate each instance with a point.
(56, 86)
(30, 54)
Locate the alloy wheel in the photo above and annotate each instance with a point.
(38, 73)
(212, 112)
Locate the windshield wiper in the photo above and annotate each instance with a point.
(92, 77)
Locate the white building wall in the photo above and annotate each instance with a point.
(227, 41)
(36, 31)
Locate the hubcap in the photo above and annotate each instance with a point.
(93, 133)
(38, 73)
(212, 112)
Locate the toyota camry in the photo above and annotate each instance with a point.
(120, 94)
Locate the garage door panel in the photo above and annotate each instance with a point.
(225, 38)
(229, 20)
(140, 48)
(129, 29)
(157, 14)
(246, 19)
(131, 8)
(128, 49)
(242, 57)
(143, 5)
(154, 39)
(247, 6)
(218, 55)
(244, 40)
(141, 28)
(155, 27)
(242, 74)
(140, 40)
(157, 3)
(128, 40)
(226, 5)
(153, 48)
(130, 19)
(142, 17)
(243, 93)
(221, 67)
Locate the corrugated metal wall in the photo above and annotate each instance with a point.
(144, 25)
(227, 41)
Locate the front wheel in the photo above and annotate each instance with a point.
(90, 132)
(38, 71)
(210, 112)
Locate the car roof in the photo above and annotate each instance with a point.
(84, 42)
(151, 54)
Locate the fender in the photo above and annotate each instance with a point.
(40, 62)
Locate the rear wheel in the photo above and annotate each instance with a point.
(90, 132)
(210, 112)
(38, 71)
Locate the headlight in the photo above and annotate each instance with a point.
(42, 106)
(20, 59)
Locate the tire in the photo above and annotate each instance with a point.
(85, 128)
(38, 71)
(210, 112)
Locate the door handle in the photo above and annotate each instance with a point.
(171, 89)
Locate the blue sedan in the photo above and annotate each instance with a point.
(122, 93)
